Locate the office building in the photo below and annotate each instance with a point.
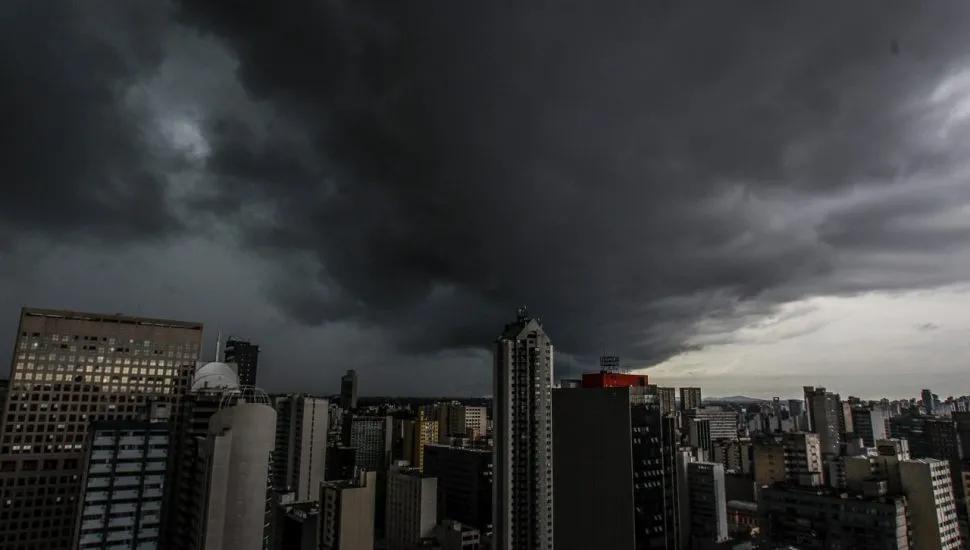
(245, 356)
(476, 422)
(371, 436)
(929, 403)
(816, 518)
(184, 521)
(417, 434)
(870, 423)
(412, 507)
(69, 369)
(927, 485)
(608, 440)
(464, 477)
(237, 451)
(736, 455)
(668, 400)
(794, 458)
(347, 513)
(690, 398)
(825, 417)
(522, 384)
(723, 422)
(300, 451)
(699, 434)
(123, 482)
(348, 390)
(708, 504)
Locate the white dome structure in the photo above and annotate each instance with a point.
(215, 376)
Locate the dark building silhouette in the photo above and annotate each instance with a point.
(464, 483)
(348, 390)
(246, 357)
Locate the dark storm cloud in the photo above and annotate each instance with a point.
(628, 170)
(617, 167)
(75, 160)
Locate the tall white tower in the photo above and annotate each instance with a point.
(522, 393)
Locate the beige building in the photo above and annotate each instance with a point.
(417, 434)
(933, 518)
(412, 507)
(476, 422)
(347, 513)
(241, 437)
(795, 458)
(299, 459)
(69, 369)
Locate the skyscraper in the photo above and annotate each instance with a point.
(412, 507)
(668, 400)
(690, 398)
(68, 369)
(371, 436)
(237, 453)
(300, 452)
(246, 357)
(347, 512)
(464, 477)
(417, 434)
(523, 489)
(824, 414)
(124, 478)
(348, 390)
(707, 503)
(609, 440)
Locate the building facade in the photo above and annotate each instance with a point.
(412, 507)
(522, 385)
(123, 483)
(348, 390)
(690, 398)
(245, 356)
(347, 513)
(300, 451)
(464, 477)
(68, 369)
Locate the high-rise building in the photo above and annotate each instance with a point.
(185, 499)
(123, 482)
(464, 477)
(815, 518)
(295, 524)
(450, 418)
(870, 423)
(928, 488)
(347, 513)
(707, 503)
(237, 454)
(668, 400)
(607, 441)
(69, 369)
(928, 401)
(348, 390)
(371, 436)
(417, 434)
(825, 417)
(412, 507)
(341, 463)
(245, 356)
(794, 458)
(723, 422)
(523, 379)
(453, 535)
(690, 398)
(476, 422)
(300, 452)
(699, 434)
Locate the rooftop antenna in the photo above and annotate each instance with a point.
(218, 345)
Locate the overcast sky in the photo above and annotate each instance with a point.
(749, 196)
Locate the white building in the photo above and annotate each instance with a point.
(412, 506)
(347, 513)
(238, 447)
(523, 489)
(929, 489)
(299, 457)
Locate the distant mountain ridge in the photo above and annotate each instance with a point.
(736, 399)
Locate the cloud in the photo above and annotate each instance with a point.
(642, 176)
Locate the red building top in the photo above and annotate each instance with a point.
(605, 379)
